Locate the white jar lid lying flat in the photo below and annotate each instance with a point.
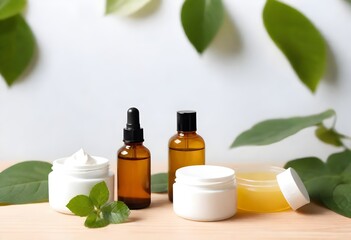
(293, 188)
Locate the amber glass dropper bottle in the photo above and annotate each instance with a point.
(185, 148)
(133, 165)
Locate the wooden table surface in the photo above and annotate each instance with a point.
(39, 221)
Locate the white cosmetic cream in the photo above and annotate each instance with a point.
(77, 175)
(204, 193)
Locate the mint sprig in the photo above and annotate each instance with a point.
(95, 207)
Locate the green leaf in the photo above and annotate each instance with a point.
(115, 212)
(346, 174)
(125, 7)
(339, 162)
(340, 202)
(159, 183)
(308, 168)
(298, 39)
(327, 183)
(318, 180)
(201, 20)
(271, 131)
(94, 220)
(320, 188)
(342, 197)
(329, 136)
(102, 214)
(25, 182)
(17, 47)
(9, 8)
(99, 194)
(81, 205)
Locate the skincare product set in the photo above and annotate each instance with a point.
(199, 192)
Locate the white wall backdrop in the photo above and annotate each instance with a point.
(91, 68)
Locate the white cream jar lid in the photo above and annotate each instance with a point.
(204, 174)
(204, 193)
(293, 188)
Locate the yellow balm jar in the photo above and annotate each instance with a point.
(269, 189)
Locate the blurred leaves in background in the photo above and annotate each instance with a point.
(9, 8)
(125, 7)
(292, 32)
(298, 39)
(201, 20)
(17, 43)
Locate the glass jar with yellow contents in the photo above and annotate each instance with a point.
(269, 189)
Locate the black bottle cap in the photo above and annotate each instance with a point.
(186, 121)
(133, 132)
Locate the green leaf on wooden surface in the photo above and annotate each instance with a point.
(17, 47)
(125, 7)
(81, 205)
(327, 183)
(9, 8)
(201, 20)
(25, 182)
(338, 163)
(342, 197)
(159, 183)
(115, 212)
(321, 187)
(99, 194)
(308, 168)
(99, 213)
(329, 136)
(271, 131)
(316, 176)
(340, 201)
(95, 220)
(298, 39)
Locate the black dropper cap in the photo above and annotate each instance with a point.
(186, 121)
(133, 133)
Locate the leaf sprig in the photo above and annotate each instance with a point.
(95, 207)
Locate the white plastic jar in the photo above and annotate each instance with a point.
(77, 175)
(204, 193)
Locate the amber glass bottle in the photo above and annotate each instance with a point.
(185, 148)
(133, 165)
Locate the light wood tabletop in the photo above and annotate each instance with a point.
(39, 221)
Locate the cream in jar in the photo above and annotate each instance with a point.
(77, 175)
(270, 189)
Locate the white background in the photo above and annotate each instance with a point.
(91, 68)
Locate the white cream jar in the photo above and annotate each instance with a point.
(204, 193)
(77, 175)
